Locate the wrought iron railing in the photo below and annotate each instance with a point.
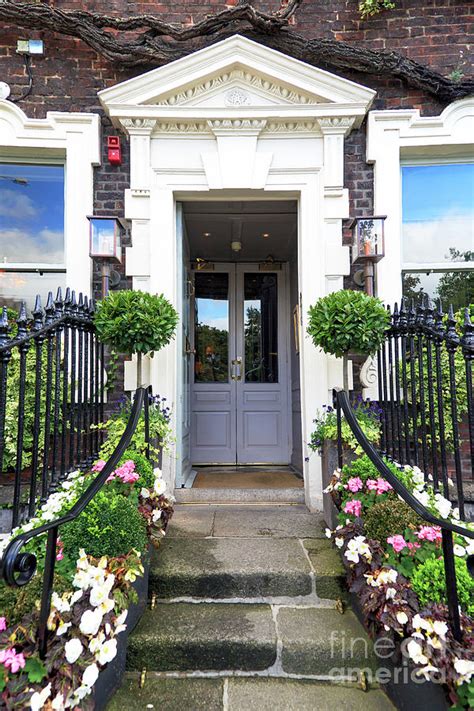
(425, 390)
(51, 394)
(343, 405)
(17, 567)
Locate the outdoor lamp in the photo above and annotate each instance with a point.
(368, 247)
(104, 242)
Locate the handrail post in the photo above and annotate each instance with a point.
(48, 579)
(337, 405)
(451, 583)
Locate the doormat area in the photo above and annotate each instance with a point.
(246, 479)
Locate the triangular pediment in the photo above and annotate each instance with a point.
(236, 73)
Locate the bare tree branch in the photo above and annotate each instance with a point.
(146, 40)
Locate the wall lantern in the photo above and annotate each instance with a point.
(368, 239)
(105, 243)
(368, 247)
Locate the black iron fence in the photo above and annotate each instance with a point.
(51, 395)
(426, 394)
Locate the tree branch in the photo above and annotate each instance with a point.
(156, 42)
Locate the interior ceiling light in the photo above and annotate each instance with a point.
(236, 246)
(206, 234)
(265, 234)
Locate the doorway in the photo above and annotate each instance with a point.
(241, 370)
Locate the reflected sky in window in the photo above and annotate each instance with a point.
(31, 213)
(438, 213)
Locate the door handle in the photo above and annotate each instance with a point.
(236, 363)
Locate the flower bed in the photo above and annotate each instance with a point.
(100, 558)
(395, 568)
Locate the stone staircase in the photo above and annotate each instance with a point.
(246, 613)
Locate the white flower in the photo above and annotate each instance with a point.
(120, 625)
(390, 593)
(465, 669)
(440, 628)
(156, 515)
(107, 651)
(96, 642)
(90, 622)
(328, 532)
(425, 671)
(38, 699)
(157, 472)
(339, 542)
(73, 650)
(90, 675)
(420, 623)
(144, 493)
(402, 618)
(422, 496)
(58, 702)
(443, 506)
(60, 603)
(82, 579)
(415, 652)
(455, 513)
(76, 596)
(82, 562)
(418, 476)
(159, 487)
(63, 627)
(459, 550)
(106, 606)
(98, 595)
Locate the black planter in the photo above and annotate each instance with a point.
(111, 676)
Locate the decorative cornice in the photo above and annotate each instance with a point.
(336, 124)
(238, 96)
(290, 127)
(138, 125)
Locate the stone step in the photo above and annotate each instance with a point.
(240, 496)
(226, 636)
(236, 694)
(231, 568)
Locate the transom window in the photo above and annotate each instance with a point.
(438, 232)
(32, 258)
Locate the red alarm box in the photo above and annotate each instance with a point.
(114, 150)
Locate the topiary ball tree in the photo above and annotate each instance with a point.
(135, 322)
(347, 321)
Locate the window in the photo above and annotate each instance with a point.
(32, 258)
(438, 232)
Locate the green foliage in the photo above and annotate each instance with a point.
(363, 468)
(110, 525)
(326, 427)
(429, 583)
(35, 670)
(142, 466)
(368, 8)
(135, 322)
(17, 603)
(465, 694)
(389, 517)
(346, 321)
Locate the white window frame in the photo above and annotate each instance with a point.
(71, 139)
(400, 137)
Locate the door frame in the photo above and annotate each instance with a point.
(236, 271)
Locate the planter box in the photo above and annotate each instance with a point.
(111, 676)
(329, 464)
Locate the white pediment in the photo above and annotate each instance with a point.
(236, 73)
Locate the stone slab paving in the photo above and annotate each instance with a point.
(316, 641)
(206, 636)
(271, 522)
(234, 694)
(230, 567)
(326, 560)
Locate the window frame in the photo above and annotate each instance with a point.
(30, 267)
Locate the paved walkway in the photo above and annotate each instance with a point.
(246, 613)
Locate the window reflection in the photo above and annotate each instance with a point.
(261, 328)
(211, 330)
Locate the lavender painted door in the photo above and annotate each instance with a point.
(239, 390)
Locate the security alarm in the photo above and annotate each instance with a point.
(4, 90)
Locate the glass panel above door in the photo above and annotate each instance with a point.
(211, 328)
(261, 328)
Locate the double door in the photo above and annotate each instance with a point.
(239, 370)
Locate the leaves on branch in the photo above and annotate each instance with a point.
(146, 40)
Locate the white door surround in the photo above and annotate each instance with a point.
(240, 121)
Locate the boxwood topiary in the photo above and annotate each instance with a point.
(429, 583)
(142, 466)
(109, 525)
(387, 518)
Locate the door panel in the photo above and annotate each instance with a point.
(240, 388)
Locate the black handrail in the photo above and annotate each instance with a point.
(24, 564)
(342, 402)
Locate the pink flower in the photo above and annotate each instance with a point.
(125, 473)
(355, 484)
(413, 546)
(371, 484)
(398, 543)
(9, 658)
(59, 550)
(353, 507)
(430, 533)
(382, 486)
(98, 466)
(3, 624)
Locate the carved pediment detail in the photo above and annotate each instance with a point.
(239, 85)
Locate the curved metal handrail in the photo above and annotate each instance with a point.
(12, 560)
(342, 399)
